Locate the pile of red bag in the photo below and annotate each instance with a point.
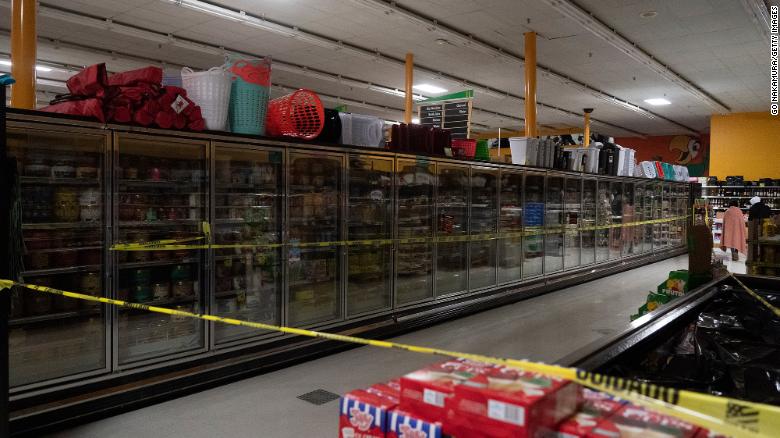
(135, 96)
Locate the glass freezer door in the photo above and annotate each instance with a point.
(589, 196)
(615, 234)
(533, 222)
(247, 279)
(414, 255)
(314, 218)
(62, 218)
(510, 227)
(572, 221)
(553, 223)
(483, 222)
(370, 218)
(161, 193)
(629, 232)
(452, 210)
(603, 219)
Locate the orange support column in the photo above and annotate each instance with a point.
(586, 134)
(23, 53)
(530, 84)
(408, 107)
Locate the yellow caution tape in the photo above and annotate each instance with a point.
(758, 297)
(724, 415)
(176, 245)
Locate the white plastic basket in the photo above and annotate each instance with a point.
(361, 130)
(210, 90)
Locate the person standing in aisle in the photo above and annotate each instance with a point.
(734, 234)
(758, 210)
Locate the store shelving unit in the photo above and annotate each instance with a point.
(330, 237)
(719, 197)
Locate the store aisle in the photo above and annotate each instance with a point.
(544, 328)
(736, 267)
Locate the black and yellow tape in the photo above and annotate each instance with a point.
(178, 245)
(758, 298)
(724, 415)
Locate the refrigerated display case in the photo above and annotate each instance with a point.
(553, 224)
(510, 227)
(314, 229)
(572, 222)
(248, 212)
(63, 203)
(629, 231)
(483, 217)
(339, 238)
(452, 212)
(160, 192)
(370, 219)
(533, 222)
(616, 211)
(414, 253)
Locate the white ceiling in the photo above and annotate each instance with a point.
(713, 44)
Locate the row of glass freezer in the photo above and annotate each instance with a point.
(294, 214)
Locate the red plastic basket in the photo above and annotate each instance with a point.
(464, 148)
(299, 114)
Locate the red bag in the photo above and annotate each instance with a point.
(85, 107)
(91, 81)
(149, 75)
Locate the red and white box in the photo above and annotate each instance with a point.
(596, 407)
(408, 425)
(364, 415)
(424, 392)
(634, 421)
(706, 433)
(510, 403)
(391, 390)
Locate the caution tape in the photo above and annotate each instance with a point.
(178, 245)
(758, 297)
(724, 415)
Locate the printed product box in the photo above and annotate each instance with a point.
(408, 425)
(510, 403)
(390, 390)
(364, 415)
(634, 421)
(424, 392)
(705, 433)
(596, 407)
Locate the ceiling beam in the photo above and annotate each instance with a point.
(595, 26)
(759, 15)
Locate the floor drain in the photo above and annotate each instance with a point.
(319, 397)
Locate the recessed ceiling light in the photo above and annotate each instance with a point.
(442, 41)
(428, 88)
(416, 121)
(648, 14)
(658, 101)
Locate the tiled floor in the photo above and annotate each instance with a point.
(544, 328)
(736, 267)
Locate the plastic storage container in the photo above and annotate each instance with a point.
(298, 114)
(249, 95)
(362, 130)
(519, 148)
(210, 90)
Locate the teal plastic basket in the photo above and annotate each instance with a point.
(248, 105)
(249, 95)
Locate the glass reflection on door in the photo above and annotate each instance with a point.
(616, 209)
(572, 222)
(510, 250)
(61, 179)
(452, 200)
(553, 247)
(314, 233)
(414, 263)
(630, 231)
(162, 193)
(533, 223)
(482, 251)
(248, 211)
(589, 194)
(603, 219)
(370, 218)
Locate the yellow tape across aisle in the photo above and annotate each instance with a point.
(178, 245)
(724, 415)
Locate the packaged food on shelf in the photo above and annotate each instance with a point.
(364, 414)
(633, 420)
(404, 424)
(510, 403)
(66, 207)
(596, 407)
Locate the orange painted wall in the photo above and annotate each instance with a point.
(746, 144)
